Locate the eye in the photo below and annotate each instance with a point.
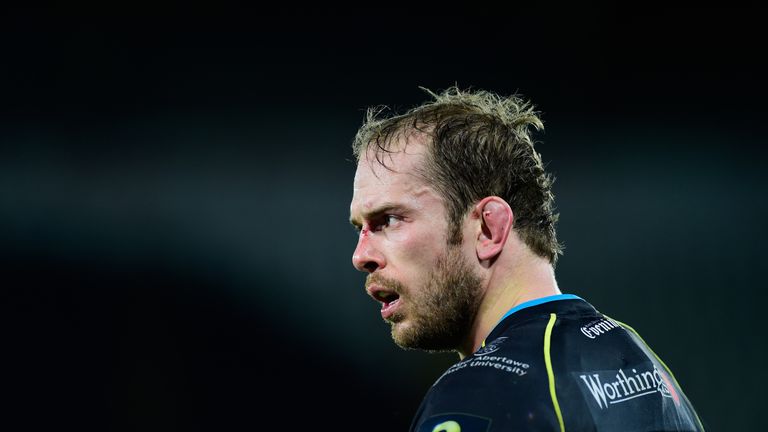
(381, 222)
(391, 220)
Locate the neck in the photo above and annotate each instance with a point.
(531, 278)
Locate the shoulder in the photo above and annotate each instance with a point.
(571, 368)
(503, 386)
(605, 375)
(488, 397)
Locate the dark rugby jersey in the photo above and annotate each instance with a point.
(557, 364)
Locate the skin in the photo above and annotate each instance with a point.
(450, 297)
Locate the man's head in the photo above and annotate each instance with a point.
(479, 145)
(420, 177)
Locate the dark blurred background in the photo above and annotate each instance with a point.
(174, 192)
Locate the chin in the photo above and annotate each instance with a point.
(402, 335)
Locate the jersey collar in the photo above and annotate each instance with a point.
(532, 303)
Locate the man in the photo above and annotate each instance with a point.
(457, 234)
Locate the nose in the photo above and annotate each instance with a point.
(366, 257)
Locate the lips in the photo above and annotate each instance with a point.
(389, 299)
(388, 308)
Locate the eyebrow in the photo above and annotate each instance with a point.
(371, 214)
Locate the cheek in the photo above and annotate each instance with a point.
(416, 254)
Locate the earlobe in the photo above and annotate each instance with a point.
(496, 221)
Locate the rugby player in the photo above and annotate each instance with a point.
(457, 236)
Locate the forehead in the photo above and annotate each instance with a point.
(398, 182)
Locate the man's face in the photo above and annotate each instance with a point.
(429, 290)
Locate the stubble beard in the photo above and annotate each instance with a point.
(439, 315)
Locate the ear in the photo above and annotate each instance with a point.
(496, 221)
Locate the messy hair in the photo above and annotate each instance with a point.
(478, 144)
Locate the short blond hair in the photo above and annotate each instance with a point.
(479, 144)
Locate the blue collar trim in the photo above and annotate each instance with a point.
(539, 301)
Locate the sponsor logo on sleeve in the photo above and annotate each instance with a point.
(611, 388)
(598, 327)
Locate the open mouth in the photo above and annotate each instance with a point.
(389, 300)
